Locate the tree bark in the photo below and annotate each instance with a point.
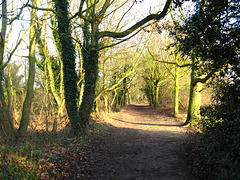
(31, 75)
(6, 125)
(176, 93)
(90, 65)
(2, 47)
(194, 99)
(68, 58)
(156, 96)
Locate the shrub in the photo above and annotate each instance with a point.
(220, 126)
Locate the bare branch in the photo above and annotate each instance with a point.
(138, 24)
(80, 12)
(18, 43)
(207, 77)
(42, 9)
(103, 10)
(114, 44)
(125, 14)
(128, 73)
(178, 65)
(167, 62)
(18, 15)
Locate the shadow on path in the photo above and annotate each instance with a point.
(148, 124)
(141, 147)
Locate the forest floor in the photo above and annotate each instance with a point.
(141, 143)
(138, 143)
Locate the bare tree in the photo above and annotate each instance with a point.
(91, 14)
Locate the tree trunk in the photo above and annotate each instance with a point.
(52, 82)
(156, 96)
(2, 47)
(194, 99)
(31, 75)
(6, 125)
(68, 58)
(105, 96)
(176, 93)
(90, 65)
(124, 91)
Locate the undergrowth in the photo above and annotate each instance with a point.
(219, 130)
(49, 155)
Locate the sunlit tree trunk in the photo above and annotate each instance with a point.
(6, 125)
(61, 87)
(156, 94)
(31, 75)
(176, 92)
(194, 98)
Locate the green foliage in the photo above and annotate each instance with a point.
(212, 35)
(14, 164)
(221, 126)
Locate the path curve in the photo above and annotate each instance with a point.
(143, 143)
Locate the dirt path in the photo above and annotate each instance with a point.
(143, 143)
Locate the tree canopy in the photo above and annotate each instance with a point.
(212, 34)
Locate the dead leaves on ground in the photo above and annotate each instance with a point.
(67, 160)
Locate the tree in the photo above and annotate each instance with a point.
(91, 14)
(154, 76)
(50, 66)
(5, 120)
(169, 56)
(212, 44)
(13, 86)
(30, 84)
(123, 63)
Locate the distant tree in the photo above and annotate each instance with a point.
(13, 86)
(155, 75)
(165, 51)
(119, 67)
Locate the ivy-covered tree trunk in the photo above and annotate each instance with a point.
(31, 75)
(68, 58)
(124, 90)
(90, 66)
